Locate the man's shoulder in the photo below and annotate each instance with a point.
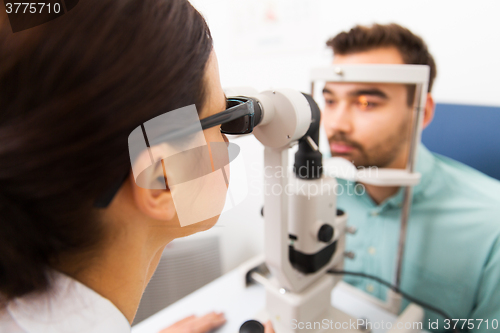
(461, 181)
(456, 194)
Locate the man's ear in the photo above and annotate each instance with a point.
(429, 110)
(155, 203)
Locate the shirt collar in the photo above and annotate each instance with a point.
(425, 166)
(69, 306)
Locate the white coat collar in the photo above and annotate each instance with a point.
(68, 307)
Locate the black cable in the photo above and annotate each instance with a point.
(397, 290)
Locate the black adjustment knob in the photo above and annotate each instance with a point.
(325, 233)
(252, 326)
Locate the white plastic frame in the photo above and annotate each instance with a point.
(388, 73)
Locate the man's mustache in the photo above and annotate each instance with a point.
(341, 137)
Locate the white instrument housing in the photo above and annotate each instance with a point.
(293, 218)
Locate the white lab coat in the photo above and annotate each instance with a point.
(68, 307)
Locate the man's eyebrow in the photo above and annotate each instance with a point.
(370, 92)
(327, 91)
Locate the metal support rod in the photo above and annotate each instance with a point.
(405, 214)
(407, 200)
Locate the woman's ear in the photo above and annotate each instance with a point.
(429, 110)
(155, 203)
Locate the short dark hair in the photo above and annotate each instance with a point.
(71, 92)
(365, 38)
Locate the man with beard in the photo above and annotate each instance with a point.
(452, 253)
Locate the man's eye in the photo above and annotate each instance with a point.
(364, 104)
(329, 102)
(367, 105)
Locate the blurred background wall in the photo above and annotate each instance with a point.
(274, 43)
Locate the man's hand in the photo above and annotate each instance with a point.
(194, 324)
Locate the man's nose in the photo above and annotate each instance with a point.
(340, 119)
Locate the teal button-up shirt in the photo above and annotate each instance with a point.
(452, 253)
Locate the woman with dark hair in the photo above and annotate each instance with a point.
(71, 92)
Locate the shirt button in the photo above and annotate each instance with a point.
(370, 288)
(374, 213)
(372, 250)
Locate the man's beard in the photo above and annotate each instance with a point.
(380, 155)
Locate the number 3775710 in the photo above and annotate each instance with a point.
(470, 324)
(32, 8)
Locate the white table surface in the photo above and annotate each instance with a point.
(239, 304)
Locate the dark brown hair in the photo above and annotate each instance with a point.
(71, 91)
(364, 38)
